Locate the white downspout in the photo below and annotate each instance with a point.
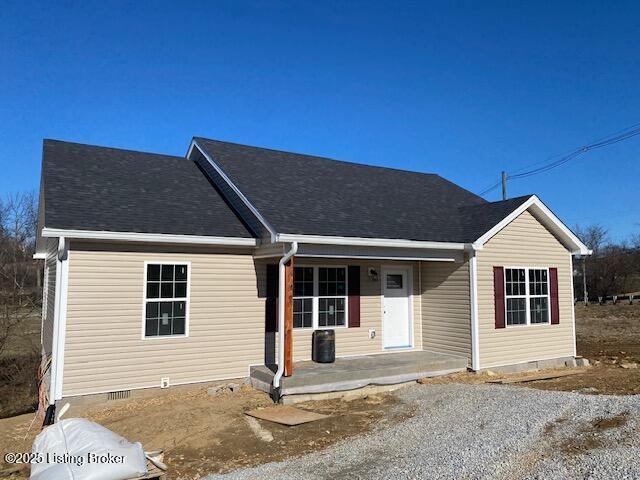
(473, 290)
(58, 320)
(281, 287)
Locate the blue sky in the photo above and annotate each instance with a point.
(463, 89)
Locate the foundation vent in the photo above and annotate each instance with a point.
(119, 395)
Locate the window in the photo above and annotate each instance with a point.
(526, 296)
(303, 297)
(319, 297)
(166, 292)
(539, 296)
(394, 282)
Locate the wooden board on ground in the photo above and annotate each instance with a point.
(286, 415)
(533, 378)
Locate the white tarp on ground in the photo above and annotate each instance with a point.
(77, 449)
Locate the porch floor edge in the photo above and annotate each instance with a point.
(357, 372)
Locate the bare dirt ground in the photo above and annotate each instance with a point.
(609, 336)
(203, 434)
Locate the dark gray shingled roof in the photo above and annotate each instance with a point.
(476, 220)
(97, 188)
(303, 194)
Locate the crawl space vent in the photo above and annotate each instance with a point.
(118, 395)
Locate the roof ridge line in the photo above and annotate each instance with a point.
(51, 140)
(318, 157)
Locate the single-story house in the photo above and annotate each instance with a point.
(163, 270)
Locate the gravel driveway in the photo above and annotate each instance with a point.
(484, 432)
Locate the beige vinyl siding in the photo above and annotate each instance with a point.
(356, 341)
(524, 242)
(104, 348)
(48, 302)
(446, 311)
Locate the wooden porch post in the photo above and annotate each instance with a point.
(288, 318)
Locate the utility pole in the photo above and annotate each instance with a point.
(584, 281)
(504, 185)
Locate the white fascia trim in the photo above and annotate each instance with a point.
(233, 187)
(368, 242)
(376, 257)
(148, 237)
(475, 320)
(579, 247)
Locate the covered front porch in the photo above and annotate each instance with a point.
(350, 373)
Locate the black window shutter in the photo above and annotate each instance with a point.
(271, 303)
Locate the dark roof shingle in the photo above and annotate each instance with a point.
(303, 194)
(97, 188)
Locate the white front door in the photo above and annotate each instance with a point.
(396, 315)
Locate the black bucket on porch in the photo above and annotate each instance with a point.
(323, 348)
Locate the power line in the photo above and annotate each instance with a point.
(546, 166)
(568, 152)
(575, 153)
(489, 189)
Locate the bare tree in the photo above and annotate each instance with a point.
(19, 296)
(593, 236)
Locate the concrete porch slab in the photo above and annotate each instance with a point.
(351, 373)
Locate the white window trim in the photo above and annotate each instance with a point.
(145, 300)
(315, 300)
(527, 296)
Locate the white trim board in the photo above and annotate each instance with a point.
(232, 186)
(368, 242)
(555, 224)
(148, 237)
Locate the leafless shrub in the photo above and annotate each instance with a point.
(19, 293)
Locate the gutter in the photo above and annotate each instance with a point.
(275, 395)
(148, 237)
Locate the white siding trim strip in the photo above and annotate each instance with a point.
(148, 237)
